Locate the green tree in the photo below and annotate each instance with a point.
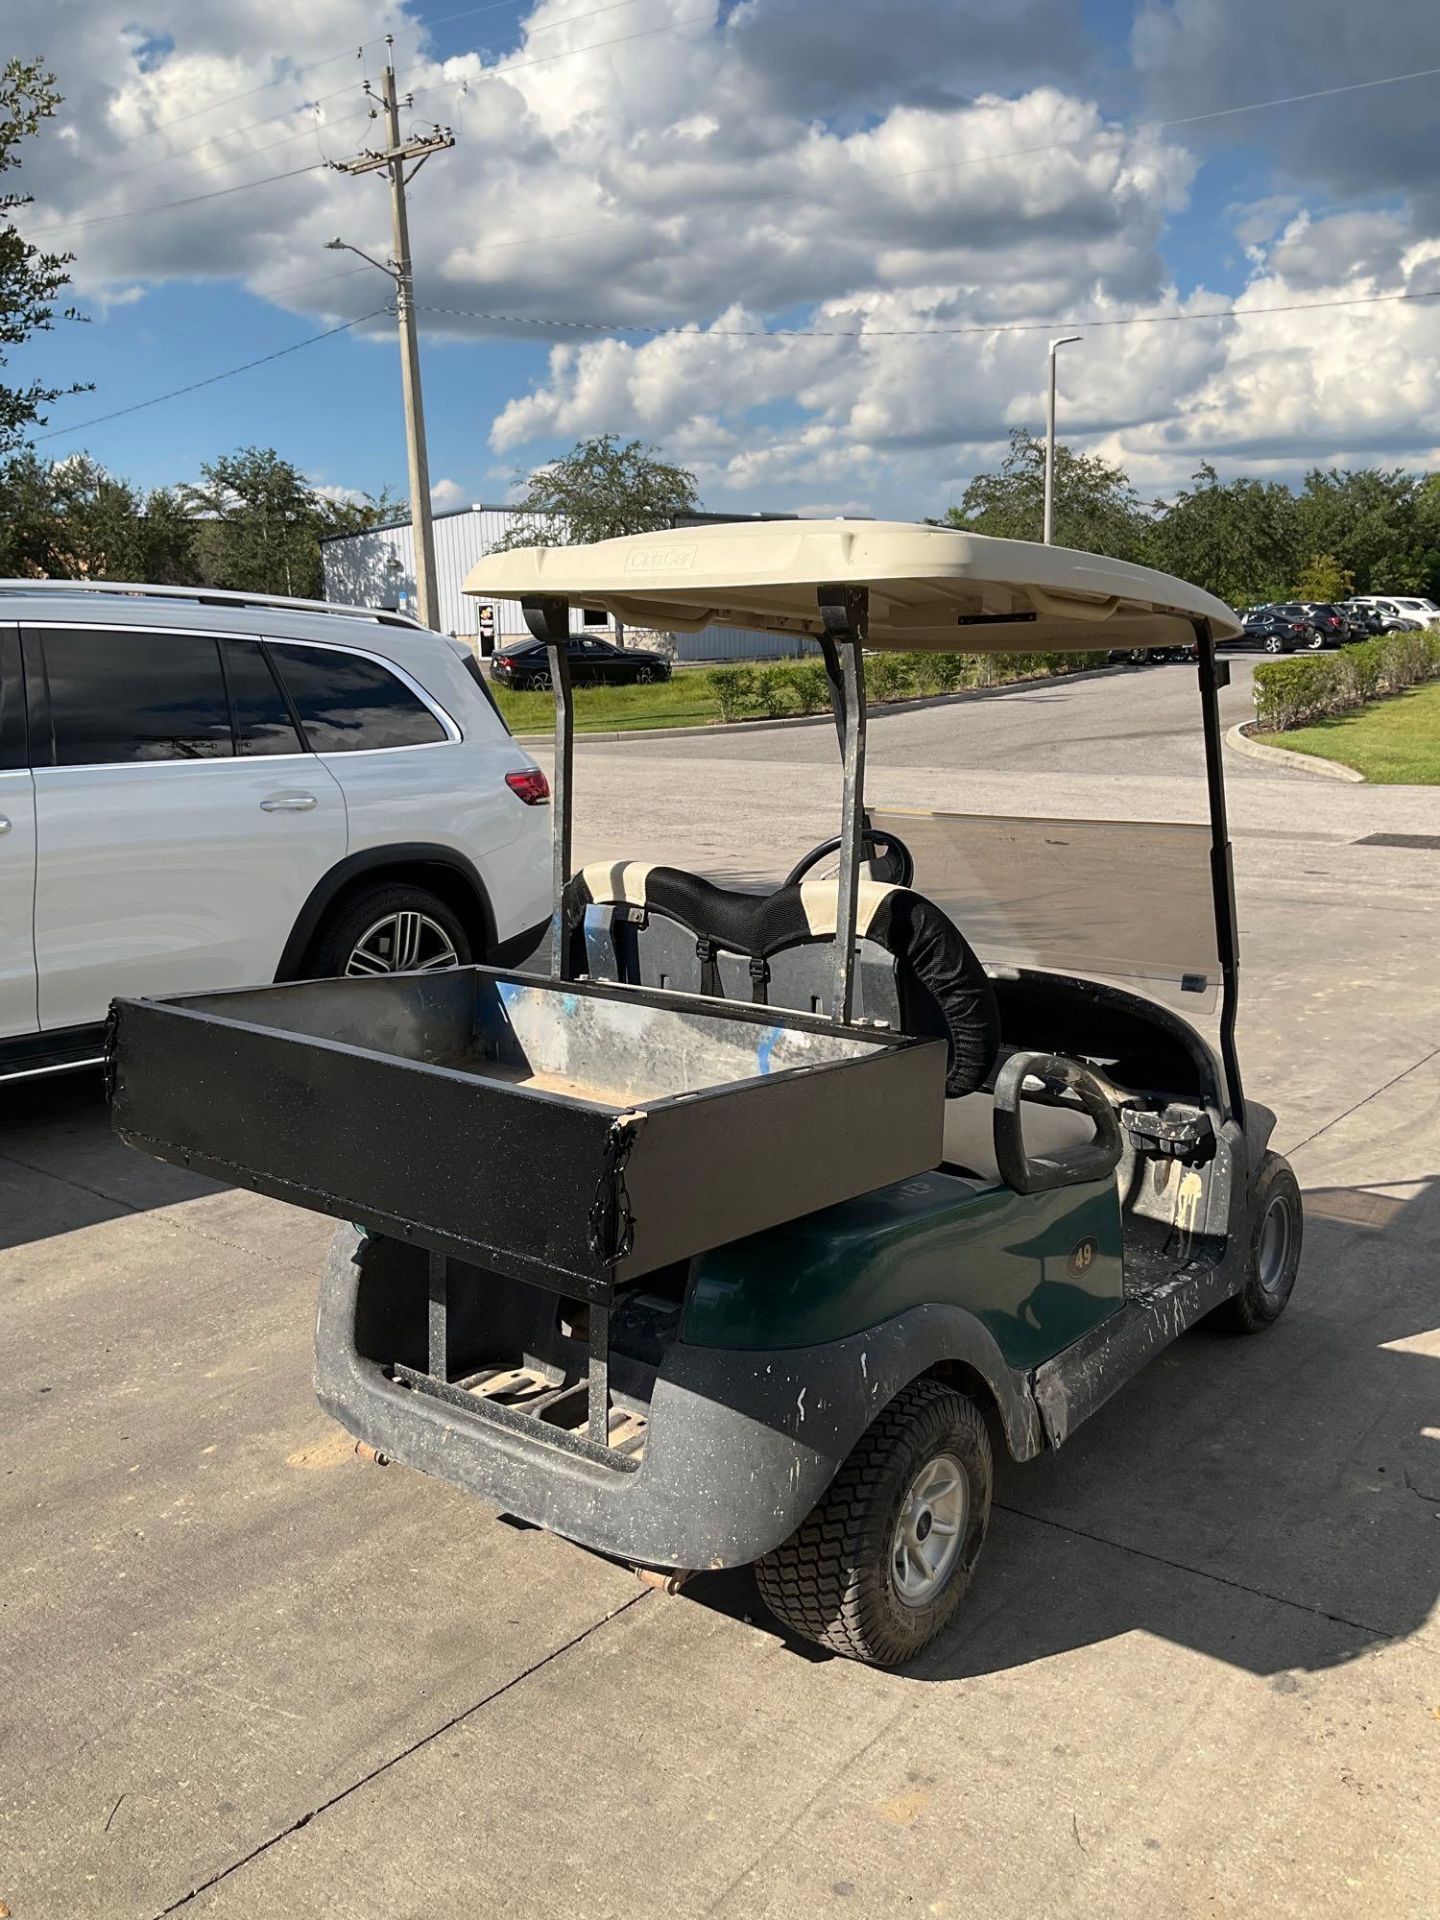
(29, 278)
(1096, 508)
(1238, 538)
(600, 490)
(260, 523)
(1427, 526)
(1323, 578)
(1369, 519)
(70, 519)
(29, 523)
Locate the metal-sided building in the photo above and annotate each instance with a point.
(377, 569)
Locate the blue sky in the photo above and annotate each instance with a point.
(645, 136)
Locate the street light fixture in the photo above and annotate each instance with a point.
(337, 245)
(1067, 340)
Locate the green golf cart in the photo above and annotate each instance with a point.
(744, 1226)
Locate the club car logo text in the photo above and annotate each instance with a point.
(661, 560)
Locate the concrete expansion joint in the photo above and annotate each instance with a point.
(1382, 1635)
(384, 1766)
(1393, 1081)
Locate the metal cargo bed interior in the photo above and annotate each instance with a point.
(540, 1137)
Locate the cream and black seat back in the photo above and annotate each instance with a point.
(661, 927)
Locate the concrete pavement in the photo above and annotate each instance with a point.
(1199, 1672)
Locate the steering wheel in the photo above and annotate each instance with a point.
(888, 854)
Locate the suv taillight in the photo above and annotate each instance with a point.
(531, 786)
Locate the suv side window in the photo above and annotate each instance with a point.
(262, 718)
(347, 704)
(12, 703)
(119, 696)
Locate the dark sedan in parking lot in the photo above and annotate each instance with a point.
(1275, 631)
(1332, 623)
(593, 662)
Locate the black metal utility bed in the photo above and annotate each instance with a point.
(571, 1133)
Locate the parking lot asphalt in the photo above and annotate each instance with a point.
(1198, 1672)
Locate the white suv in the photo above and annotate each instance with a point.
(205, 790)
(1407, 606)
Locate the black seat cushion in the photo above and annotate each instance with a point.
(943, 989)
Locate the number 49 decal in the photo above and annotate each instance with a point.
(1082, 1258)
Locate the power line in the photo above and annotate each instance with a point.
(329, 60)
(765, 198)
(567, 53)
(84, 426)
(976, 159)
(680, 331)
(130, 213)
(250, 153)
(164, 206)
(230, 133)
(319, 100)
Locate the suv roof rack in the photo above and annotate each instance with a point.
(209, 597)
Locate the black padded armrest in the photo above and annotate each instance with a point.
(1066, 1167)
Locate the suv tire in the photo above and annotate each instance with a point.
(373, 928)
(838, 1579)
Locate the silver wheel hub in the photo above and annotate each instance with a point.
(930, 1530)
(1273, 1251)
(406, 942)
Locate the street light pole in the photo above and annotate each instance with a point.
(1068, 340)
(392, 161)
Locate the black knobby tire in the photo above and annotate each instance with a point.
(1270, 1280)
(832, 1581)
(330, 952)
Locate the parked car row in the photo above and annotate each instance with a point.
(1296, 625)
(1149, 656)
(214, 791)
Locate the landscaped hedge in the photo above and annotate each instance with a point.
(1295, 692)
(789, 687)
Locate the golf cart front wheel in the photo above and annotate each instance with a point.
(880, 1566)
(1277, 1223)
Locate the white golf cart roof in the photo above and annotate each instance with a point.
(934, 588)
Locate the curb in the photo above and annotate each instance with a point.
(1239, 740)
(823, 719)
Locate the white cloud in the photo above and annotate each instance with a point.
(448, 493)
(733, 173)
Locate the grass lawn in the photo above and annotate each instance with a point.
(685, 701)
(1394, 742)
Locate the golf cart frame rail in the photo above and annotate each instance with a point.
(845, 614)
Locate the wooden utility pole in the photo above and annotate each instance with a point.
(394, 159)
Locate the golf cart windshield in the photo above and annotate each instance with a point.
(1123, 901)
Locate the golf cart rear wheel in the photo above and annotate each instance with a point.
(1277, 1223)
(882, 1563)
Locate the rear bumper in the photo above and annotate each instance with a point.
(740, 1446)
(715, 1487)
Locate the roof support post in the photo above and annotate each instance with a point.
(1213, 676)
(845, 612)
(835, 675)
(549, 621)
